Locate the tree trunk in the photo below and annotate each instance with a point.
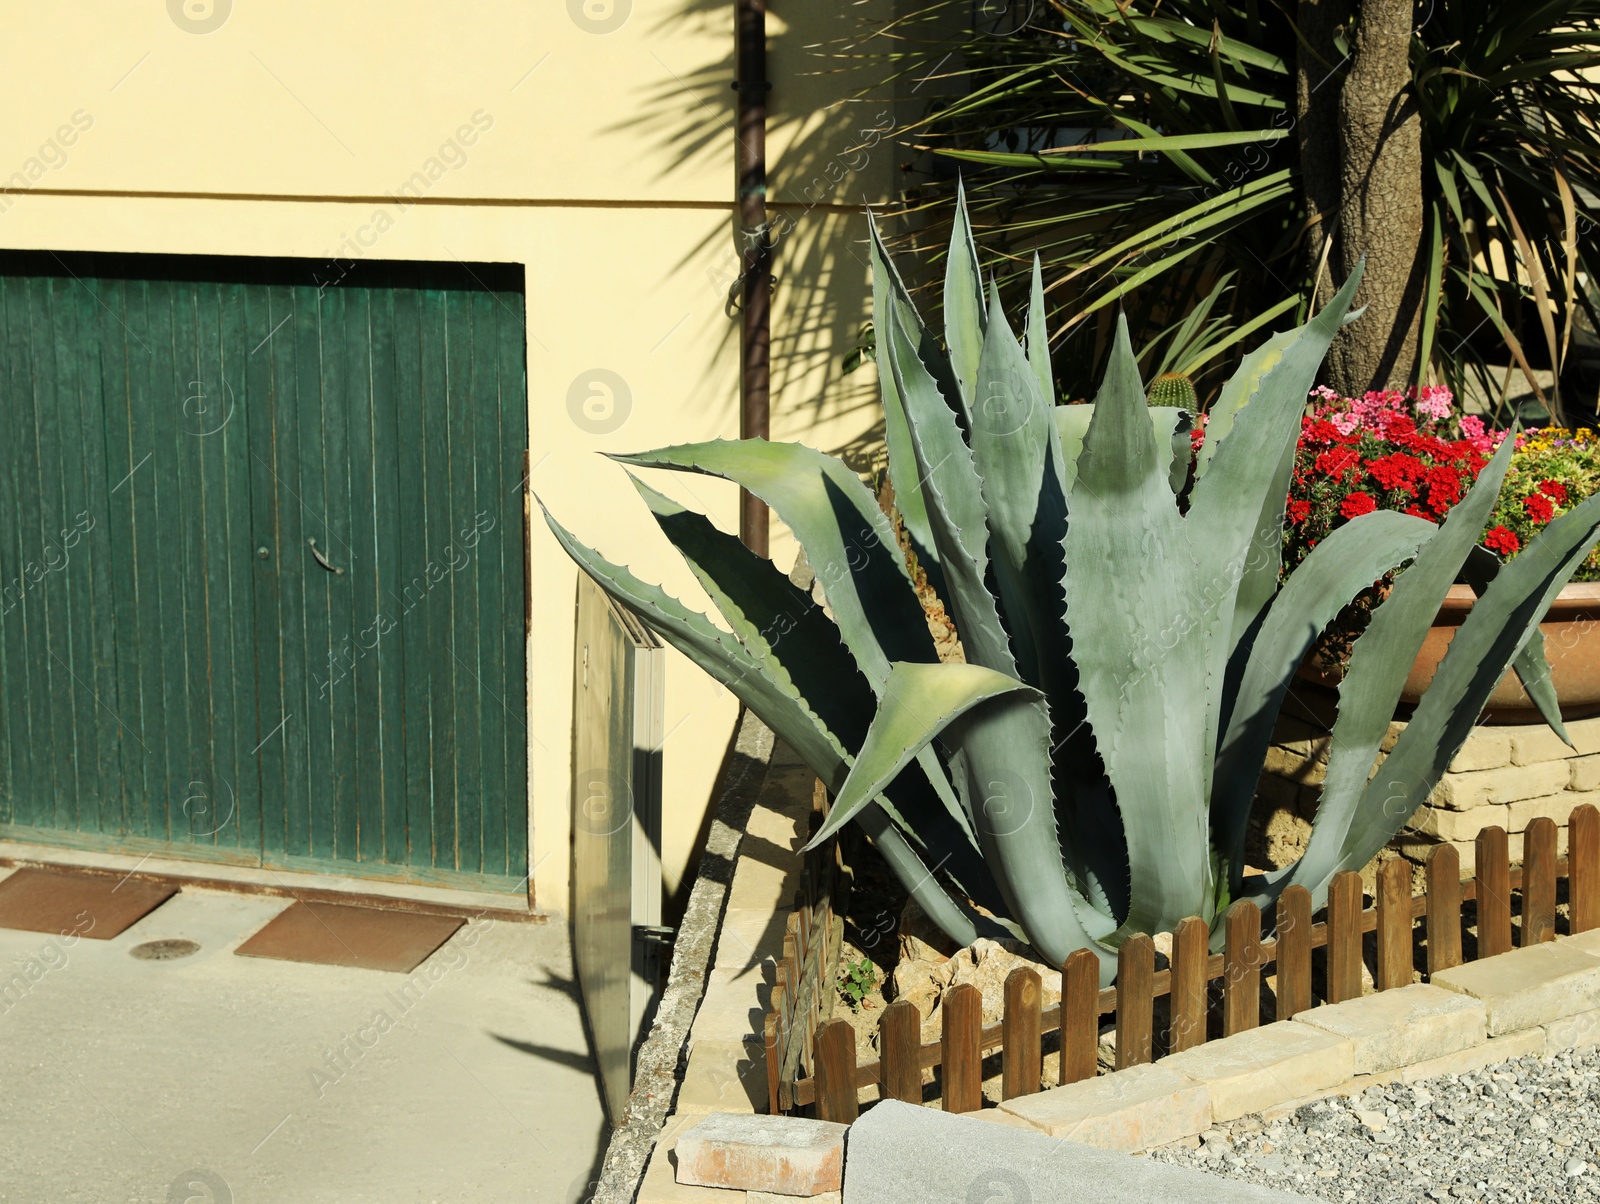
(1319, 75)
(1380, 207)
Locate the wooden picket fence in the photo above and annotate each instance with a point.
(811, 1059)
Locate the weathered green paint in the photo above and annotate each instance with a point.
(163, 684)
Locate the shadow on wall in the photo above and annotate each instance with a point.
(831, 151)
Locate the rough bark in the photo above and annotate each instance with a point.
(1380, 210)
(1319, 76)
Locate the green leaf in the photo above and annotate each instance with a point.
(1531, 664)
(847, 539)
(919, 702)
(963, 301)
(1348, 561)
(1130, 585)
(1038, 336)
(1172, 428)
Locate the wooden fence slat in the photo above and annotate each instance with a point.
(961, 1059)
(900, 1051)
(1136, 969)
(1189, 956)
(1444, 908)
(835, 1051)
(1294, 951)
(1539, 881)
(1344, 937)
(1583, 867)
(769, 1033)
(1241, 974)
(1022, 1055)
(1080, 1017)
(1394, 924)
(1493, 881)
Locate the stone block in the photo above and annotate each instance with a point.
(899, 1152)
(1401, 1026)
(724, 1076)
(734, 1005)
(1464, 791)
(1442, 823)
(1585, 774)
(766, 876)
(1278, 791)
(787, 1155)
(1536, 743)
(1529, 987)
(1486, 748)
(768, 1197)
(1573, 1032)
(661, 1187)
(1129, 1110)
(1585, 735)
(1305, 771)
(1552, 806)
(1396, 726)
(1253, 1070)
(748, 937)
(1493, 1051)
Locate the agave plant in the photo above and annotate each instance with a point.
(1089, 770)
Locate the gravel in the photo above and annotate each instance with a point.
(1525, 1130)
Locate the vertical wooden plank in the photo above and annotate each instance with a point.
(769, 1033)
(1022, 1055)
(1136, 968)
(1294, 951)
(1344, 937)
(1444, 908)
(1394, 924)
(352, 756)
(1190, 953)
(900, 1050)
(835, 1054)
(1241, 968)
(513, 523)
(437, 611)
(1080, 1017)
(1539, 881)
(1493, 875)
(961, 1059)
(1583, 867)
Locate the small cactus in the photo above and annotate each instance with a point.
(1173, 389)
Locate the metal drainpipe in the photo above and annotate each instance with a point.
(755, 340)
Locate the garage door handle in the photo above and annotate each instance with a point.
(323, 560)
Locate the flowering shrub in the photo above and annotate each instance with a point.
(1415, 452)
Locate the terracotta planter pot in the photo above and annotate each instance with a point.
(1572, 643)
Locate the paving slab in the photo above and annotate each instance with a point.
(1253, 1070)
(781, 1155)
(1529, 987)
(1133, 1109)
(1408, 1024)
(466, 1080)
(899, 1152)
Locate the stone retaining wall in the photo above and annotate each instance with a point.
(1504, 775)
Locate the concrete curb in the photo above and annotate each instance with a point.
(656, 1081)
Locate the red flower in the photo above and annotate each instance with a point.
(1540, 509)
(1418, 512)
(1397, 471)
(1299, 510)
(1336, 461)
(1555, 491)
(1357, 504)
(1500, 539)
(1444, 487)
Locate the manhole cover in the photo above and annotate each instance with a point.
(164, 951)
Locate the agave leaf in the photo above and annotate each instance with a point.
(919, 702)
(1379, 663)
(1236, 512)
(781, 708)
(847, 539)
(1038, 336)
(783, 627)
(1500, 624)
(1531, 664)
(908, 499)
(1349, 560)
(1140, 692)
(1172, 427)
(957, 515)
(963, 301)
(1016, 449)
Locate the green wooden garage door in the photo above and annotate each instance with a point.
(261, 562)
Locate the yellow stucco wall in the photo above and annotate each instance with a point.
(590, 140)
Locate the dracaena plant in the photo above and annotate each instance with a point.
(1089, 770)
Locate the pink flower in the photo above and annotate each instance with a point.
(1434, 402)
(1472, 427)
